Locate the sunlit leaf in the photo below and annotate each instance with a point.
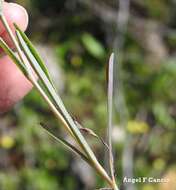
(94, 47)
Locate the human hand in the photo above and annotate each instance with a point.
(13, 84)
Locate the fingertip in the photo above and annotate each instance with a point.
(19, 16)
(15, 13)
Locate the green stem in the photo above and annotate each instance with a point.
(95, 164)
(66, 116)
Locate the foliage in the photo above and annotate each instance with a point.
(148, 87)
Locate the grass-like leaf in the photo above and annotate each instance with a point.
(44, 79)
(64, 142)
(34, 53)
(57, 100)
(110, 110)
(75, 132)
(53, 100)
(12, 55)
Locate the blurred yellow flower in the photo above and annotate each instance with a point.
(159, 164)
(137, 127)
(7, 142)
(148, 187)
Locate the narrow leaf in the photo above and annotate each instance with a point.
(57, 100)
(67, 118)
(12, 55)
(34, 52)
(41, 74)
(63, 141)
(110, 110)
(39, 70)
(72, 128)
(44, 80)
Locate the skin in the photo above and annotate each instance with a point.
(13, 84)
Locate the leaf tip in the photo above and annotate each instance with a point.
(111, 60)
(16, 26)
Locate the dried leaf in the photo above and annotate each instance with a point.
(91, 133)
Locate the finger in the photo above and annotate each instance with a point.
(13, 84)
(14, 13)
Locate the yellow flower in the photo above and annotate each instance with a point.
(137, 127)
(7, 142)
(159, 164)
(148, 187)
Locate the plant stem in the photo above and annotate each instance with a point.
(80, 139)
(66, 116)
(95, 164)
(115, 187)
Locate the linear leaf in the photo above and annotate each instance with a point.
(12, 55)
(63, 141)
(34, 53)
(110, 109)
(42, 76)
(38, 69)
(57, 100)
(67, 118)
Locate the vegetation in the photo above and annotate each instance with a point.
(82, 38)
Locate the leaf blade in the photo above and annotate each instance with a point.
(110, 110)
(64, 142)
(34, 53)
(56, 98)
(12, 55)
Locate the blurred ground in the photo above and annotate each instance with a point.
(82, 34)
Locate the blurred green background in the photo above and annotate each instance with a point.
(76, 37)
